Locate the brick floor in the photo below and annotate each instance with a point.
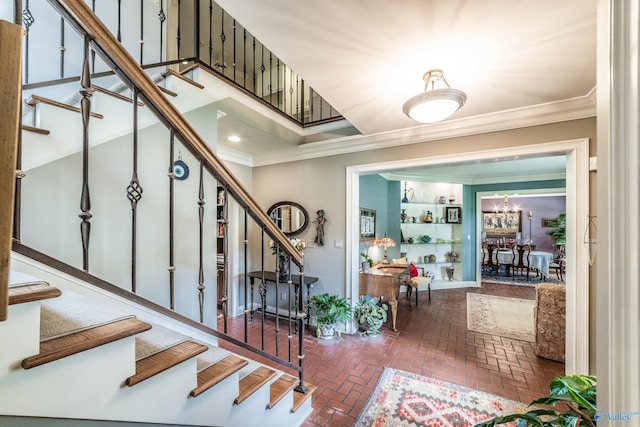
(432, 340)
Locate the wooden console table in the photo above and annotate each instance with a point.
(384, 280)
(270, 277)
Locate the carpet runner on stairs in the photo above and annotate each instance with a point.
(71, 322)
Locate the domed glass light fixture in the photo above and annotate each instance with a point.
(438, 101)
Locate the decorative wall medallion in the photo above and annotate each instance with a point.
(180, 170)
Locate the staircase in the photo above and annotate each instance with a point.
(74, 352)
(81, 350)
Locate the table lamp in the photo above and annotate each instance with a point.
(385, 242)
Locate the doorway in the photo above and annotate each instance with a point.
(577, 185)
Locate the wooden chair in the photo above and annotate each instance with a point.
(523, 259)
(489, 257)
(416, 282)
(559, 263)
(507, 257)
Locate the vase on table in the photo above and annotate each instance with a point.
(283, 268)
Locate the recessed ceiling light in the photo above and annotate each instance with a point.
(234, 138)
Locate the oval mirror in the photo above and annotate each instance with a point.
(290, 217)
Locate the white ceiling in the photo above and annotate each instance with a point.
(520, 62)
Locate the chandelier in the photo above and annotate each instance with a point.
(506, 208)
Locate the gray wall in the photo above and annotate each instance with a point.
(56, 186)
(321, 183)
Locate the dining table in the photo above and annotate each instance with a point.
(540, 261)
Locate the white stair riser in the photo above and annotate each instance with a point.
(77, 386)
(22, 330)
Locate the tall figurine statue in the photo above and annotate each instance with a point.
(319, 222)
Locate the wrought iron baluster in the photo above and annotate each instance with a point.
(299, 99)
(62, 48)
(290, 112)
(234, 50)
(278, 95)
(254, 67)
(270, 78)
(196, 31)
(171, 175)
(134, 193)
(161, 17)
(201, 204)
(27, 21)
(17, 197)
(141, 32)
(302, 97)
(225, 250)
(178, 36)
(223, 39)
(119, 33)
(85, 197)
(262, 69)
(210, 32)
(93, 52)
(301, 315)
(17, 12)
(244, 58)
(289, 320)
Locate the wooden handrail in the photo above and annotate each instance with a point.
(10, 87)
(79, 15)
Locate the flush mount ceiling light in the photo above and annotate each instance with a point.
(437, 102)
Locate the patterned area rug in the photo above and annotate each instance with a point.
(518, 280)
(502, 316)
(405, 399)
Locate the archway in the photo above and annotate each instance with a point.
(577, 186)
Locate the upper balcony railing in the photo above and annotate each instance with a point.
(160, 33)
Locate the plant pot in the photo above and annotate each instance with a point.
(326, 332)
(371, 330)
(365, 267)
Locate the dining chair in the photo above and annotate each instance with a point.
(523, 259)
(506, 257)
(559, 263)
(489, 257)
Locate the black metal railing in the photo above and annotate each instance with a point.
(103, 255)
(191, 32)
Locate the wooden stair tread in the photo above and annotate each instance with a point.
(299, 398)
(182, 77)
(279, 389)
(165, 359)
(77, 342)
(35, 291)
(252, 382)
(35, 99)
(167, 91)
(35, 130)
(215, 373)
(114, 94)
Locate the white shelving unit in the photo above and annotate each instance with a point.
(445, 237)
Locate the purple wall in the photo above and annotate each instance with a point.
(541, 207)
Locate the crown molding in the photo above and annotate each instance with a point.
(542, 114)
(470, 180)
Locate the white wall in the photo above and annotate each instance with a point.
(55, 230)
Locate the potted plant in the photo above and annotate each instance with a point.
(368, 262)
(558, 234)
(577, 395)
(329, 309)
(370, 315)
